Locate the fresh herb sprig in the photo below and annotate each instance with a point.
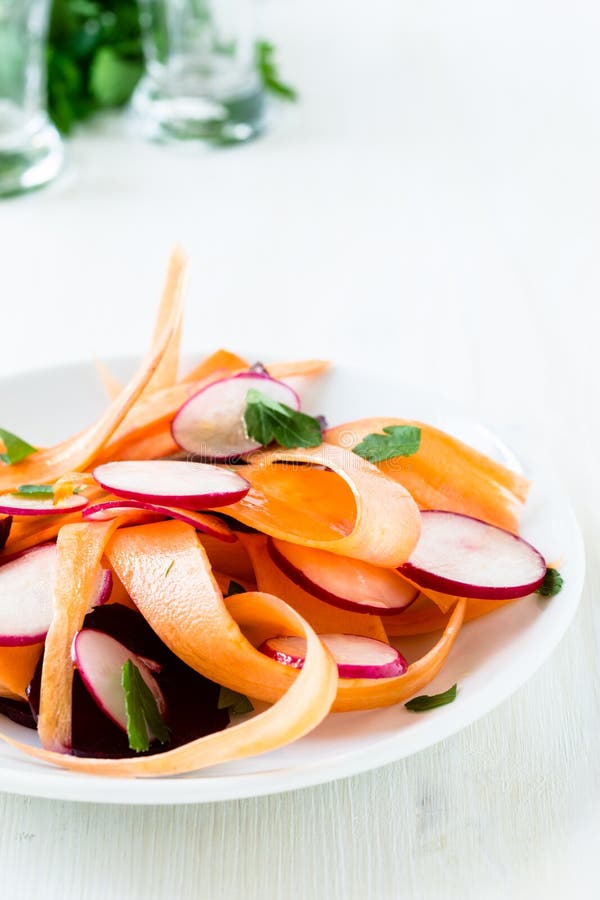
(15, 448)
(95, 59)
(426, 701)
(35, 490)
(236, 703)
(267, 420)
(396, 440)
(143, 716)
(552, 583)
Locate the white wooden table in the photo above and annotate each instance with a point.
(431, 208)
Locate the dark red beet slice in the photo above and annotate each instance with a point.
(18, 711)
(191, 699)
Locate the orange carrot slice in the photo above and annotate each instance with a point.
(353, 510)
(424, 616)
(230, 559)
(221, 362)
(17, 665)
(446, 474)
(170, 309)
(171, 305)
(323, 617)
(80, 549)
(109, 381)
(303, 367)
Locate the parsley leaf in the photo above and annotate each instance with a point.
(235, 588)
(552, 583)
(15, 448)
(35, 490)
(267, 420)
(425, 702)
(397, 440)
(234, 702)
(267, 70)
(143, 715)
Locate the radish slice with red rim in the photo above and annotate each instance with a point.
(111, 509)
(28, 505)
(343, 582)
(211, 423)
(466, 557)
(356, 656)
(100, 659)
(189, 485)
(27, 595)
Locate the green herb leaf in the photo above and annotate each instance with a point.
(36, 490)
(425, 702)
(15, 447)
(552, 583)
(112, 77)
(268, 72)
(397, 440)
(169, 567)
(234, 702)
(143, 716)
(235, 588)
(267, 420)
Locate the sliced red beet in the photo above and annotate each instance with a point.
(27, 595)
(466, 557)
(347, 583)
(356, 656)
(17, 711)
(190, 699)
(207, 524)
(211, 423)
(169, 482)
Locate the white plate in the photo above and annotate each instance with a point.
(492, 658)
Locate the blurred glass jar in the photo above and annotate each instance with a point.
(201, 81)
(31, 151)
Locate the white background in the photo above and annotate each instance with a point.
(431, 209)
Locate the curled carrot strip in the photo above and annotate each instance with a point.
(221, 363)
(424, 616)
(80, 548)
(352, 510)
(446, 474)
(303, 367)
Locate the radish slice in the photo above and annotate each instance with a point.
(27, 595)
(347, 583)
(171, 482)
(466, 557)
(356, 656)
(100, 660)
(26, 505)
(211, 423)
(110, 509)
